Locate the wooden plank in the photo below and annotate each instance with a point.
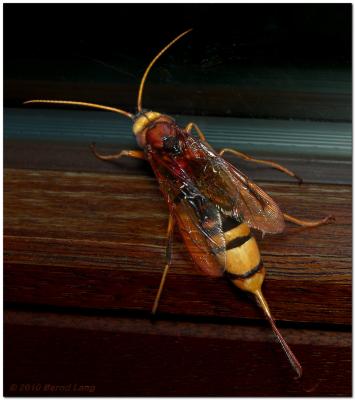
(118, 356)
(95, 241)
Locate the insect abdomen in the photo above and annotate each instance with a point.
(244, 265)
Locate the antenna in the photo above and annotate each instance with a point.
(141, 87)
(83, 104)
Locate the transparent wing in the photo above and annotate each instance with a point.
(243, 199)
(199, 220)
(230, 190)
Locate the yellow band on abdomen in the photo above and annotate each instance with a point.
(240, 230)
(242, 259)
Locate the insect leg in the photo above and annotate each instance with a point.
(168, 255)
(309, 224)
(127, 153)
(191, 125)
(265, 162)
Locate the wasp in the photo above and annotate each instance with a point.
(213, 204)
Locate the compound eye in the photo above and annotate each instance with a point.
(171, 144)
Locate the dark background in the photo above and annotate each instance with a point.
(240, 57)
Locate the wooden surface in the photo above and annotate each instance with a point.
(84, 253)
(84, 246)
(89, 240)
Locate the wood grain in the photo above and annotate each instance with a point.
(94, 241)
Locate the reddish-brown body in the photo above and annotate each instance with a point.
(184, 170)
